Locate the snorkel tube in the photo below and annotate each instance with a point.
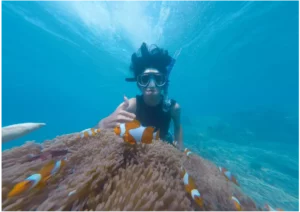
(167, 101)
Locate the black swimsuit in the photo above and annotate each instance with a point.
(154, 116)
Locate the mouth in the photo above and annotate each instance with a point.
(151, 91)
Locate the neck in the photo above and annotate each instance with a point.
(152, 101)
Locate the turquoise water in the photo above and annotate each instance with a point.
(236, 79)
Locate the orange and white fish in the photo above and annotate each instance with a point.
(187, 152)
(51, 168)
(236, 203)
(38, 180)
(228, 175)
(142, 134)
(269, 208)
(133, 132)
(26, 185)
(121, 129)
(190, 187)
(88, 132)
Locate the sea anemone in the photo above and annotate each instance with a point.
(105, 173)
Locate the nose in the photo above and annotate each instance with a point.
(151, 83)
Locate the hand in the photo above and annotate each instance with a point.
(120, 115)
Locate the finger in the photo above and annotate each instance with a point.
(127, 114)
(125, 99)
(124, 119)
(125, 104)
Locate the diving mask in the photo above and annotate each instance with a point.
(144, 79)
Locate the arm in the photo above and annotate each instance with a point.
(175, 114)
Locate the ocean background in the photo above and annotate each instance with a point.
(236, 79)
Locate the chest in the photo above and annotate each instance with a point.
(153, 116)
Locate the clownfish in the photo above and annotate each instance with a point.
(133, 132)
(51, 168)
(228, 175)
(142, 134)
(88, 132)
(236, 203)
(38, 180)
(187, 152)
(29, 183)
(121, 129)
(269, 208)
(190, 187)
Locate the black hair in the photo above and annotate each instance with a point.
(145, 57)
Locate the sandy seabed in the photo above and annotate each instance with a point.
(104, 173)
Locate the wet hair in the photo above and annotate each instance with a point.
(153, 57)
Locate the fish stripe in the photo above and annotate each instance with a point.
(56, 167)
(228, 174)
(186, 178)
(137, 133)
(235, 199)
(187, 152)
(194, 193)
(123, 129)
(35, 178)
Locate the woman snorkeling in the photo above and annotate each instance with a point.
(151, 68)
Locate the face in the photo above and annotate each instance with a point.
(151, 82)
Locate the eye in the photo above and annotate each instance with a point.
(160, 79)
(144, 79)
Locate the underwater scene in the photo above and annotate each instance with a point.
(159, 105)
